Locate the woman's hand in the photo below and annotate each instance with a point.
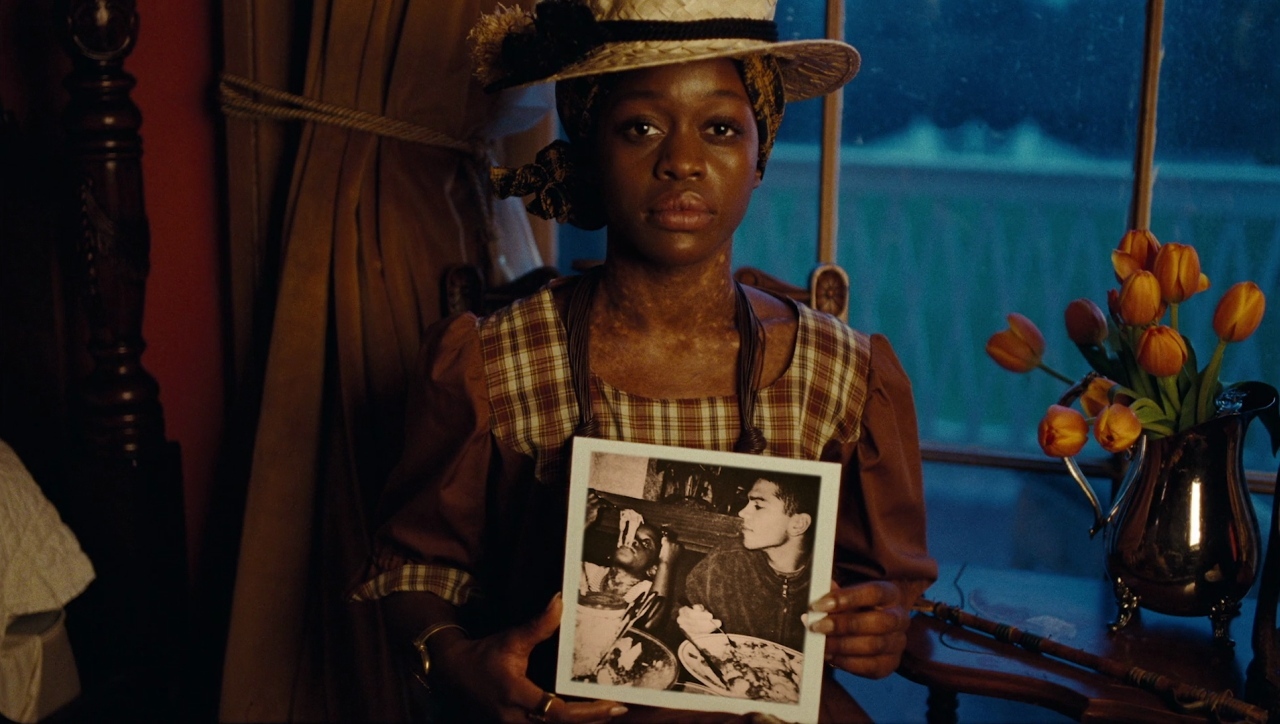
(866, 627)
(490, 673)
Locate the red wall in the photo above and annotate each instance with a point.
(174, 63)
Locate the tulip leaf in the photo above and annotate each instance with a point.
(1190, 368)
(1098, 359)
(1158, 430)
(1210, 384)
(1120, 389)
(1167, 405)
(1137, 378)
(1190, 408)
(1150, 413)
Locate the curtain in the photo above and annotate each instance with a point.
(365, 230)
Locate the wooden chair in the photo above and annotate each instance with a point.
(1262, 685)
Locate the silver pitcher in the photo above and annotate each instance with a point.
(1182, 536)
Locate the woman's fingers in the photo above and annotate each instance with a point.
(523, 638)
(872, 594)
(892, 643)
(872, 622)
(870, 667)
(866, 643)
(523, 699)
(866, 627)
(583, 712)
(526, 700)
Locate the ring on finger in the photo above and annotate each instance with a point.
(539, 712)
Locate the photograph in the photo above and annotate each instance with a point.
(686, 576)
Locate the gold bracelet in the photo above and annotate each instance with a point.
(420, 643)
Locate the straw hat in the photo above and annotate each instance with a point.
(563, 39)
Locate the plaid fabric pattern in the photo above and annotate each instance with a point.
(817, 400)
(533, 410)
(451, 584)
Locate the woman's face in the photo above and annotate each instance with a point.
(676, 148)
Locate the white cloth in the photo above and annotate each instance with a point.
(41, 569)
(20, 677)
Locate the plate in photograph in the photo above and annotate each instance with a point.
(638, 659)
(753, 668)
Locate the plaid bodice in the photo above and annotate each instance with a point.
(533, 410)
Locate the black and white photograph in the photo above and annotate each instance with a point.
(687, 573)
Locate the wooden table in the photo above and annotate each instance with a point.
(1074, 612)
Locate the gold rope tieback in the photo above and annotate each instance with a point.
(1183, 696)
(237, 97)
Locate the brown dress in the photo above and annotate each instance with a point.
(476, 510)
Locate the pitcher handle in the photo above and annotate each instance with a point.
(1137, 454)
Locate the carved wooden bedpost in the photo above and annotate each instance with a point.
(126, 503)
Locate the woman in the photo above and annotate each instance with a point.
(657, 345)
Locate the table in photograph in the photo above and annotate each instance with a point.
(1074, 612)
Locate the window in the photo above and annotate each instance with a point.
(986, 168)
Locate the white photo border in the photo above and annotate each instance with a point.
(806, 710)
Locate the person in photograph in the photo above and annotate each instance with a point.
(642, 562)
(670, 109)
(760, 586)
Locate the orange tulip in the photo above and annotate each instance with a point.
(1137, 250)
(1085, 323)
(1113, 303)
(1063, 432)
(1097, 396)
(1239, 312)
(1161, 351)
(1116, 428)
(1125, 265)
(1019, 348)
(1140, 300)
(1177, 267)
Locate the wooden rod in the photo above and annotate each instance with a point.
(1183, 697)
(1144, 157)
(829, 183)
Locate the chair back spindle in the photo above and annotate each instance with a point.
(1262, 686)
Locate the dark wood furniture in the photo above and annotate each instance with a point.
(1263, 681)
(75, 398)
(1073, 611)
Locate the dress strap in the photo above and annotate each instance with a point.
(578, 322)
(750, 361)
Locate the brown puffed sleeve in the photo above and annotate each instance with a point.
(881, 531)
(433, 508)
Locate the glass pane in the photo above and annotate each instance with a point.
(986, 169)
(1218, 184)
